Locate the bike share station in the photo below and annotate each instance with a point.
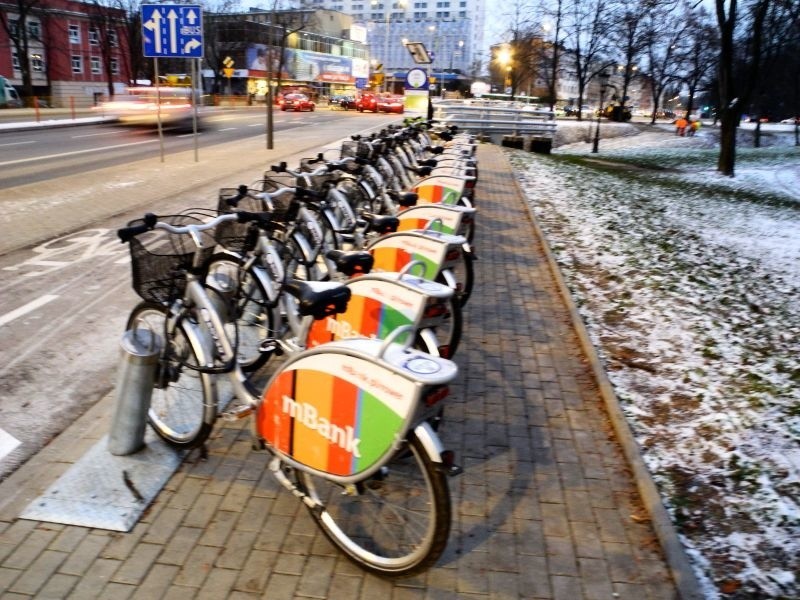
(117, 479)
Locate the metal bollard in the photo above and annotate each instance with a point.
(137, 371)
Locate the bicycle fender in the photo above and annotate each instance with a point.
(430, 441)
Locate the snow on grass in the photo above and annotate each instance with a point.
(690, 286)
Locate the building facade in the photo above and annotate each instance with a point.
(75, 50)
(452, 29)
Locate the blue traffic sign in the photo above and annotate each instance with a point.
(172, 30)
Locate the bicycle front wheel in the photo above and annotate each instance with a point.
(252, 322)
(396, 523)
(183, 402)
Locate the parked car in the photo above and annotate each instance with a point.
(392, 104)
(791, 121)
(297, 102)
(367, 102)
(343, 102)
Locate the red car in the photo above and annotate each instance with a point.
(391, 104)
(297, 102)
(367, 102)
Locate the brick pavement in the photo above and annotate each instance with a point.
(546, 508)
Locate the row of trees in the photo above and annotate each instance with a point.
(743, 57)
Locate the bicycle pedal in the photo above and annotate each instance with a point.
(236, 413)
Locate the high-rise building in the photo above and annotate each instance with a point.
(451, 29)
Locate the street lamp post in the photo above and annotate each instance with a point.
(603, 82)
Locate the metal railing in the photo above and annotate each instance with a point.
(496, 116)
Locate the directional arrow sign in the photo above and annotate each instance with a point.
(172, 30)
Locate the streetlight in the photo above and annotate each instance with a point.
(603, 82)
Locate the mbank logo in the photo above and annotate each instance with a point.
(309, 416)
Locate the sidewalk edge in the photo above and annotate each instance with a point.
(677, 560)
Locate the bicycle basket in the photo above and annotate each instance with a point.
(233, 235)
(159, 259)
(355, 149)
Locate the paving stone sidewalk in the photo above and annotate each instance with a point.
(546, 507)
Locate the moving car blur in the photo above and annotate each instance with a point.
(144, 106)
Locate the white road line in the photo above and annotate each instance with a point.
(86, 135)
(76, 153)
(228, 128)
(18, 143)
(23, 310)
(7, 443)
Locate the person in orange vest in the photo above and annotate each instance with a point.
(680, 126)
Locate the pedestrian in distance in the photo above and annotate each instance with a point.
(680, 126)
(694, 127)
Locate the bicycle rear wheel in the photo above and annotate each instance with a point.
(396, 523)
(183, 402)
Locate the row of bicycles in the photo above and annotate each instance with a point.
(329, 298)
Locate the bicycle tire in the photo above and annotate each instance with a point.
(395, 523)
(183, 402)
(252, 321)
(464, 273)
(449, 332)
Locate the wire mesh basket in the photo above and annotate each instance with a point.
(356, 149)
(160, 259)
(232, 235)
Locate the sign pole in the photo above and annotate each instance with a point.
(158, 109)
(195, 97)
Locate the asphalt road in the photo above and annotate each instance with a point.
(65, 292)
(31, 156)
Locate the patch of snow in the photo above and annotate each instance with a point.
(689, 284)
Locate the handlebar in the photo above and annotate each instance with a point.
(261, 219)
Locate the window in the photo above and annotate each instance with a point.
(114, 66)
(77, 64)
(94, 36)
(95, 63)
(34, 29)
(113, 40)
(15, 59)
(13, 27)
(74, 34)
(37, 63)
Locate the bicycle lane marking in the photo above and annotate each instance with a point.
(26, 308)
(7, 443)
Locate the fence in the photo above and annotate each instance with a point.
(499, 119)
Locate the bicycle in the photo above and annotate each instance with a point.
(346, 422)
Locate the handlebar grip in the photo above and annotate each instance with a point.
(127, 233)
(262, 219)
(241, 193)
(279, 168)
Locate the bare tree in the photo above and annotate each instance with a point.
(664, 34)
(553, 28)
(736, 85)
(700, 51)
(587, 29)
(15, 20)
(107, 25)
